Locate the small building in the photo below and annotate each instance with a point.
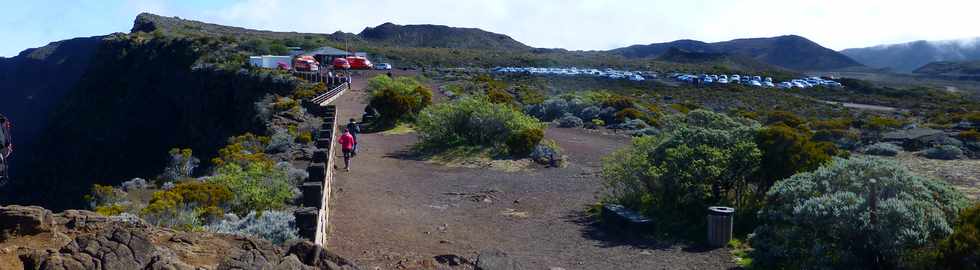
(271, 61)
(325, 55)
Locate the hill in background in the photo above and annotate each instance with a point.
(439, 36)
(907, 57)
(792, 52)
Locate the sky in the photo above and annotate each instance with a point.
(569, 24)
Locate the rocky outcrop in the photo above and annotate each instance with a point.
(34, 238)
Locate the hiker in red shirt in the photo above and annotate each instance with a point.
(347, 145)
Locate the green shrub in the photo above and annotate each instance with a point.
(784, 117)
(702, 159)
(619, 102)
(284, 104)
(962, 249)
(499, 96)
(969, 135)
(257, 187)
(304, 137)
(521, 143)
(243, 150)
(882, 123)
(860, 213)
(397, 99)
(205, 200)
(528, 95)
(630, 113)
(474, 121)
(787, 151)
(110, 210)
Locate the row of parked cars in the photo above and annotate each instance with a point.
(755, 81)
(605, 73)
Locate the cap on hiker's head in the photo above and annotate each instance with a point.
(352, 120)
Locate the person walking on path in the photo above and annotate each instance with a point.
(347, 142)
(354, 128)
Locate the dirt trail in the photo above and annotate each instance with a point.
(395, 212)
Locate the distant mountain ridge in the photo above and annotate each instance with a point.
(907, 57)
(793, 52)
(439, 36)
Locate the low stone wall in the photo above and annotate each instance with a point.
(314, 215)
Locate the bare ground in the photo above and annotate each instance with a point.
(395, 212)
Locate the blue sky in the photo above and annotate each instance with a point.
(571, 24)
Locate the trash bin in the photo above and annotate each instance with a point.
(720, 225)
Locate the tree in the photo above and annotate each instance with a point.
(859, 213)
(704, 159)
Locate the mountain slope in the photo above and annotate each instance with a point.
(907, 57)
(731, 61)
(439, 36)
(793, 52)
(967, 70)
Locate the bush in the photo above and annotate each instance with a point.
(257, 187)
(883, 149)
(860, 213)
(243, 150)
(548, 152)
(880, 123)
(280, 141)
(276, 226)
(944, 152)
(397, 99)
(589, 113)
(521, 143)
(284, 104)
(473, 121)
(595, 123)
(969, 136)
(187, 205)
(787, 151)
(692, 166)
(499, 96)
(570, 121)
(181, 165)
(784, 117)
(961, 250)
(628, 113)
(619, 102)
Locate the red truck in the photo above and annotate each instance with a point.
(340, 63)
(305, 63)
(357, 62)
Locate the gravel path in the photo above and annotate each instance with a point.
(393, 212)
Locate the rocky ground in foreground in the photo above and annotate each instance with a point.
(35, 238)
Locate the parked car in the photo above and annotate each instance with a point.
(768, 84)
(383, 66)
(723, 80)
(785, 85)
(340, 63)
(755, 83)
(798, 84)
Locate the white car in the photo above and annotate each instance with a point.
(755, 83)
(798, 84)
(383, 66)
(768, 84)
(723, 80)
(785, 85)
(736, 78)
